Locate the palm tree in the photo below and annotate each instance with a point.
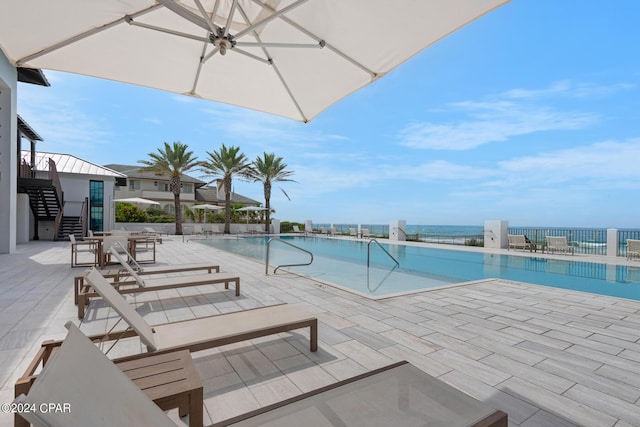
(268, 169)
(225, 163)
(173, 160)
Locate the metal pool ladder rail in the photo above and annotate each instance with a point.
(266, 262)
(381, 247)
(374, 288)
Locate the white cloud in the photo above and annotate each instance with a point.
(512, 113)
(490, 122)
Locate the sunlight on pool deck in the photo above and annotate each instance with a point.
(546, 356)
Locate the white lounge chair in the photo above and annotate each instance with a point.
(206, 332)
(633, 248)
(396, 395)
(154, 284)
(90, 391)
(518, 241)
(558, 244)
(353, 232)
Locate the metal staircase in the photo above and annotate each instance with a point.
(45, 195)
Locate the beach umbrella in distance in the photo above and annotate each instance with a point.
(206, 207)
(248, 209)
(137, 200)
(292, 58)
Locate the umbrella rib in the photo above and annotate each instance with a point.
(286, 86)
(252, 56)
(232, 11)
(84, 35)
(168, 31)
(320, 40)
(281, 45)
(212, 26)
(274, 15)
(275, 67)
(185, 13)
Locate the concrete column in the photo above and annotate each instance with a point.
(308, 226)
(495, 234)
(275, 226)
(23, 220)
(398, 230)
(8, 155)
(612, 242)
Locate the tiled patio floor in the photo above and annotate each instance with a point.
(547, 357)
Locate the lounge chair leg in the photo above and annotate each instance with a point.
(313, 336)
(81, 303)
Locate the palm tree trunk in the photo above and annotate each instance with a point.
(267, 205)
(175, 187)
(227, 205)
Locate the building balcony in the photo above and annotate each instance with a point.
(167, 195)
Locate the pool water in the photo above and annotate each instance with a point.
(343, 262)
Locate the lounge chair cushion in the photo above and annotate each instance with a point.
(96, 391)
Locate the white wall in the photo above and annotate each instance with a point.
(76, 189)
(8, 155)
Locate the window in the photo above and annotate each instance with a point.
(187, 188)
(96, 205)
(134, 184)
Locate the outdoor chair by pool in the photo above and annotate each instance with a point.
(297, 230)
(633, 248)
(366, 234)
(518, 241)
(353, 232)
(205, 332)
(123, 275)
(83, 248)
(395, 395)
(152, 284)
(152, 234)
(559, 244)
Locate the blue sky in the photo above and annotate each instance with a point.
(529, 114)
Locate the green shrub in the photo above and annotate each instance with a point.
(127, 212)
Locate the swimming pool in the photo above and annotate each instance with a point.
(343, 262)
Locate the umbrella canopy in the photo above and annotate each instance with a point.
(252, 209)
(139, 200)
(293, 58)
(205, 207)
(248, 209)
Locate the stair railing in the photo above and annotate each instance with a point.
(55, 179)
(58, 221)
(84, 216)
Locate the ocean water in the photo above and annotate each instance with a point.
(431, 230)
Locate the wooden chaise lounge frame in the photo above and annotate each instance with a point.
(393, 395)
(158, 284)
(206, 332)
(121, 275)
(558, 244)
(633, 248)
(518, 241)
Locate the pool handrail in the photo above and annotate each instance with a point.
(381, 247)
(266, 262)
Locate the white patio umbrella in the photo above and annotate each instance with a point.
(248, 209)
(205, 207)
(293, 58)
(138, 200)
